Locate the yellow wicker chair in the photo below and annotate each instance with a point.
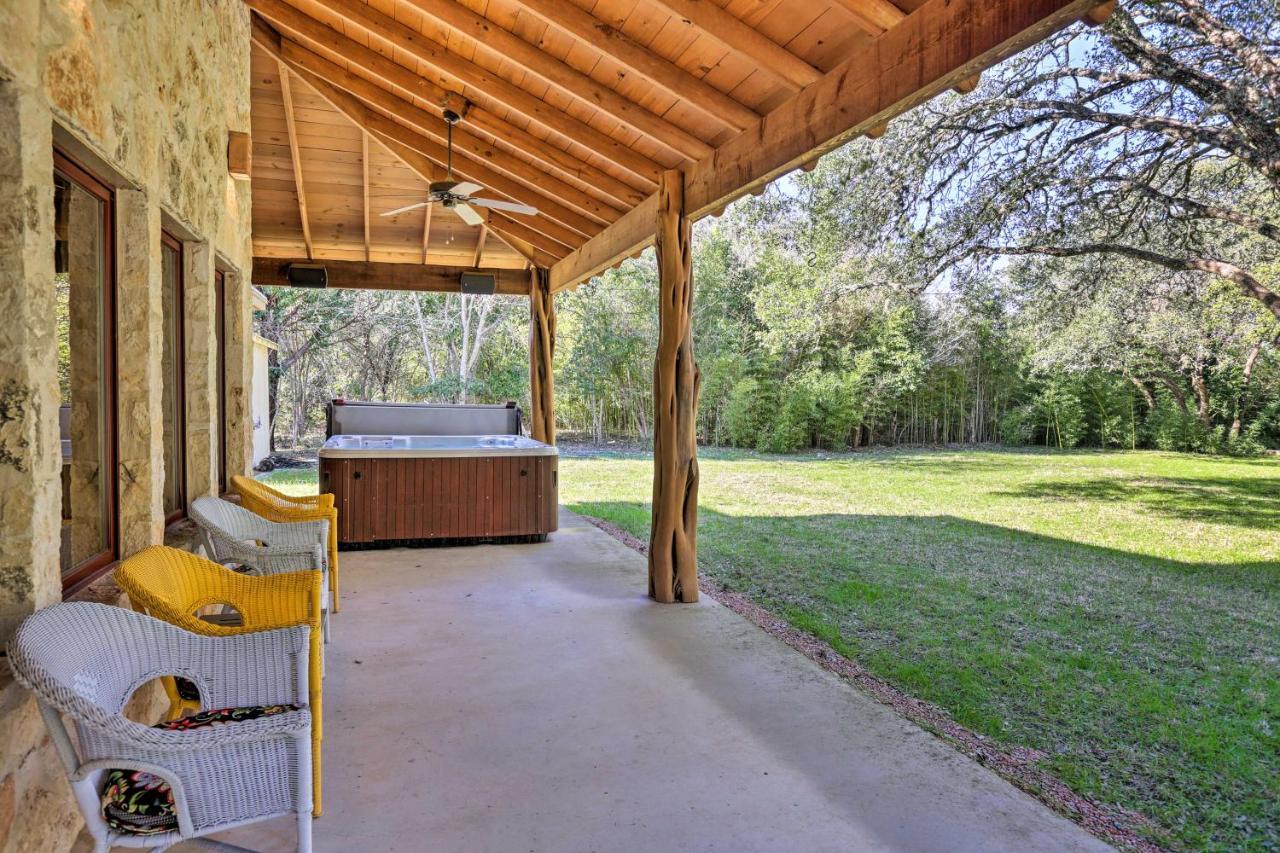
(273, 505)
(173, 585)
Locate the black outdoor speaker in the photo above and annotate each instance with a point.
(478, 283)
(307, 275)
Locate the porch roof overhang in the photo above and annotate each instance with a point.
(576, 108)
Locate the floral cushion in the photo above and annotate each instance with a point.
(141, 803)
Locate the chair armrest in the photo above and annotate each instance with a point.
(281, 559)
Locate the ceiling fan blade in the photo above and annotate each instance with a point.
(465, 188)
(510, 206)
(407, 207)
(468, 215)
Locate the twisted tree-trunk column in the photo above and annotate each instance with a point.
(542, 350)
(673, 544)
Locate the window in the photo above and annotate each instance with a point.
(84, 281)
(173, 373)
(220, 349)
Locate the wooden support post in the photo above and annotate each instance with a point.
(673, 536)
(542, 350)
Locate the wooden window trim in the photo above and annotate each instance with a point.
(220, 329)
(180, 368)
(89, 570)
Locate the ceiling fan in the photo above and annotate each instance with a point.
(456, 195)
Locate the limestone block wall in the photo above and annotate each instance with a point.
(143, 94)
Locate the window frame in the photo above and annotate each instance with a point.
(180, 368)
(220, 355)
(87, 571)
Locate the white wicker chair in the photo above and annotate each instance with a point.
(233, 534)
(85, 660)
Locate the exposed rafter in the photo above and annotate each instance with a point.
(482, 234)
(364, 165)
(286, 17)
(286, 95)
(431, 155)
(618, 195)
(667, 75)
(770, 57)
(426, 230)
(567, 80)
(934, 49)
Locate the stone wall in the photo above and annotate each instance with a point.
(142, 93)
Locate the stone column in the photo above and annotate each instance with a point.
(139, 341)
(30, 449)
(239, 379)
(201, 359)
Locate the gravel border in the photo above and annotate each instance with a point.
(1117, 826)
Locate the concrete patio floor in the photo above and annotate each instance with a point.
(531, 698)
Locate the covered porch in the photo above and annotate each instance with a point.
(530, 697)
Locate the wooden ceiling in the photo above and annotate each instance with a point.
(576, 107)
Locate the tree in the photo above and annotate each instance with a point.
(1154, 139)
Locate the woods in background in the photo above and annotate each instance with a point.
(1083, 251)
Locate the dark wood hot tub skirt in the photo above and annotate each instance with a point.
(442, 500)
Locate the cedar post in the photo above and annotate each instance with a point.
(673, 543)
(542, 350)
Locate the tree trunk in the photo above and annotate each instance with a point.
(1250, 361)
(1201, 389)
(542, 350)
(673, 550)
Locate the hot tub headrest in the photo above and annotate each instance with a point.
(359, 418)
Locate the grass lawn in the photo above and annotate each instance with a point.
(1118, 612)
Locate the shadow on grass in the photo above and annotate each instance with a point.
(1144, 681)
(1252, 502)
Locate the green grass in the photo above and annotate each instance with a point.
(1119, 612)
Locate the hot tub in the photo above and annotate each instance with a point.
(440, 489)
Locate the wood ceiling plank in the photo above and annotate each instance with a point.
(734, 34)
(618, 195)
(576, 84)
(391, 64)
(423, 156)
(875, 16)
(675, 80)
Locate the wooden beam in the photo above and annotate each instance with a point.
(364, 185)
(741, 38)
(426, 230)
(425, 157)
(239, 155)
(509, 225)
(295, 157)
(616, 45)
(570, 81)
(673, 532)
(365, 275)
(370, 60)
(619, 194)
(1100, 14)
(542, 355)
(937, 46)
(482, 234)
(874, 16)
(968, 84)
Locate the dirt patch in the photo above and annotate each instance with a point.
(1120, 827)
